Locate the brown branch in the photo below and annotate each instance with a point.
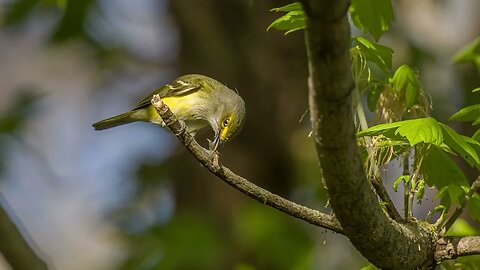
(383, 195)
(210, 161)
(407, 189)
(453, 247)
(15, 247)
(383, 241)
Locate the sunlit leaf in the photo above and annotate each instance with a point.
(369, 267)
(471, 262)
(426, 130)
(401, 178)
(376, 53)
(453, 192)
(440, 170)
(290, 7)
(461, 228)
(467, 114)
(476, 136)
(292, 21)
(461, 145)
(380, 129)
(429, 131)
(420, 190)
(406, 83)
(473, 206)
(372, 16)
(467, 53)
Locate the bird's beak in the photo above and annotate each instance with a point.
(216, 142)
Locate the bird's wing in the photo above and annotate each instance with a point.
(175, 88)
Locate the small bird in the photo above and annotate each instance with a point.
(197, 100)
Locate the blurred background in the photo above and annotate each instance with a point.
(131, 197)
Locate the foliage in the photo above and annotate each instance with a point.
(469, 53)
(14, 119)
(292, 21)
(402, 110)
(372, 17)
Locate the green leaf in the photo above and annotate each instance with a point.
(476, 135)
(471, 262)
(473, 207)
(476, 122)
(426, 130)
(462, 145)
(372, 16)
(461, 228)
(440, 170)
(429, 131)
(376, 53)
(406, 83)
(373, 95)
(290, 7)
(404, 178)
(369, 267)
(380, 129)
(452, 193)
(469, 52)
(420, 190)
(476, 90)
(467, 114)
(292, 21)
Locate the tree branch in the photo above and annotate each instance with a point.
(210, 161)
(14, 247)
(375, 179)
(407, 189)
(383, 241)
(383, 194)
(453, 247)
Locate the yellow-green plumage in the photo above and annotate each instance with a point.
(197, 100)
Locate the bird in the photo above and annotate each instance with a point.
(197, 100)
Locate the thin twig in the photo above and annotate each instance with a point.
(449, 222)
(375, 179)
(382, 193)
(407, 193)
(206, 158)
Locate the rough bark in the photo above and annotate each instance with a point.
(384, 242)
(453, 247)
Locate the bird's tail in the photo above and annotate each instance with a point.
(117, 120)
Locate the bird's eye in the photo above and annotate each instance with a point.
(226, 121)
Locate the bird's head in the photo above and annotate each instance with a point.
(229, 120)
